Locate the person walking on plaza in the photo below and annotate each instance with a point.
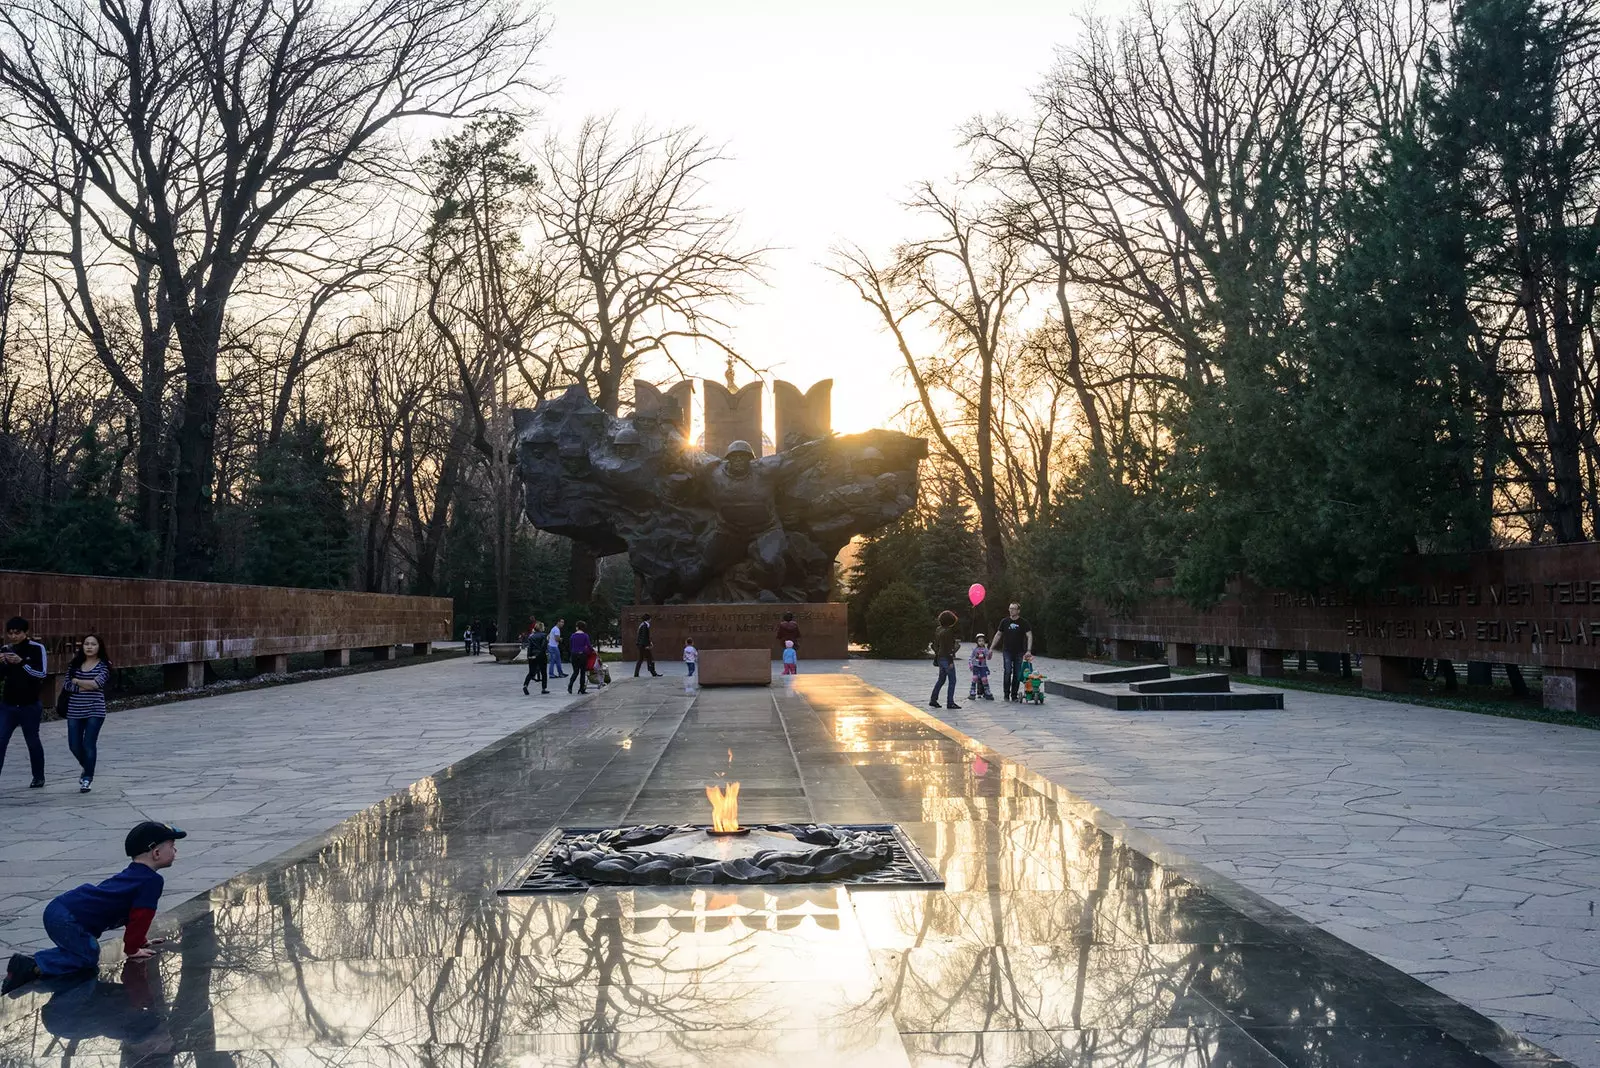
(945, 645)
(466, 640)
(23, 665)
(791, 659)
(538, 659)
(88, 675)
(646, 653)
(580, 657)
(553, 654)
(789, 631)
(76, 920)
(1014, 639)
(691, 657)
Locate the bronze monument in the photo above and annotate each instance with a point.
(699, 528)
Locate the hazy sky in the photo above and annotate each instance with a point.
(830, 115)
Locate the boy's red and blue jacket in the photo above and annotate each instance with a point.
(128, 899)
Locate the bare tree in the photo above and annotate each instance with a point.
(193, 140)
(638, 263)
(966, 283)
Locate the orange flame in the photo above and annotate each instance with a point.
(724, 807)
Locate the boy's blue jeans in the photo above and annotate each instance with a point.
(75, 949)
(555, 663)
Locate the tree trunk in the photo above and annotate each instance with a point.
(192, 492)
(585, 571)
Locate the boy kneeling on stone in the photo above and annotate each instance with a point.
(76, 920)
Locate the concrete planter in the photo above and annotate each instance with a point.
(505, 652)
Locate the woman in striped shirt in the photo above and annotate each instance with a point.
(86, 681)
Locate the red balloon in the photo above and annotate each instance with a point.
(975, 593)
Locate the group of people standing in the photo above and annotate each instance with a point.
(548, 650)
(1013, 638)
(24, 667)
(551, 650)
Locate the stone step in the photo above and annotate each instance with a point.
(1213, 682)
(1130, 674)
(1124, 699)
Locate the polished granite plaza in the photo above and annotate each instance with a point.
(1059, 939)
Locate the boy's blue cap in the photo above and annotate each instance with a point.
(150, 834)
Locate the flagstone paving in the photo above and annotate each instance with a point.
(248, 774)
(1058, 940)
(1462, 849)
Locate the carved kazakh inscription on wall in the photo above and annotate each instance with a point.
(1537, 605)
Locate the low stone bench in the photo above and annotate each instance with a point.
(735, 667)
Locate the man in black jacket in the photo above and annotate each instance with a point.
(646, 654)
(23, 668)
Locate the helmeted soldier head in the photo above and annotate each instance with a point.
(870, 462)
(626, 441)
(739, 457)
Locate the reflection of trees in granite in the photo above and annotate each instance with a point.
(664, 967)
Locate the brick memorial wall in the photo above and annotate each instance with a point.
(1532, 606)
(181, 625)
(823, 628)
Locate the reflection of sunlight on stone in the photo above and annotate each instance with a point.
(850, 731)
(424, 793)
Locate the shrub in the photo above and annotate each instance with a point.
(899, 622)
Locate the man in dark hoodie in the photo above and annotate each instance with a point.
(23, 666)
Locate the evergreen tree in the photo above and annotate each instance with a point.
(84, 533)
(888, 556)
(950, 559)
(899, 623)
(300, 529)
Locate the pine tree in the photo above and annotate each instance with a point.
(950, 561)
(300, 529)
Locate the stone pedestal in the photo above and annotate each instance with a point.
(336, 658)
(1266, 663)
(735, 667)
(1180, 654)
(1237, 659)
(1572, 690)
(421, 648)
(823, 629)
(273, 664)
(190, 676)
(382, 652)
(1386, 674)
(1123, 649)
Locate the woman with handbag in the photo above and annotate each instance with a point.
(945, 645)
(580, 657)
(84, 690)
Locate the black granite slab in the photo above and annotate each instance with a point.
(1061, 938)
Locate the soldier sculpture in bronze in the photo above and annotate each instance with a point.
(707, 528)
